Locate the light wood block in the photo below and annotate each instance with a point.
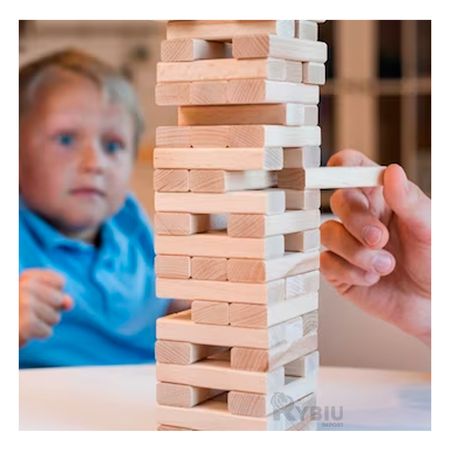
(262, 316)
(254, 359)
(172, 394)
(246, 270)
(171, 180)
(264, 46)
(302, 241)
(218, 244)
(214, 313)
(207, 268)
(213, 415)
(313, 73)
(258, 225)
(180, 327)
(222, 291)
(261, 405)
(225, 30)
(331, 177)
(193, 49)
(261, 158)
(217, 181)
(173, 94)
(263, 91)
(306, 29)
(215, 374)
(270, 201)
(173, 266)
(305, 199)
(177, 352)
(237, 136)
(310, 322)
(221, 69)
(271, 114)
(306, 366)
(301, 157)
(187, 224)
(302, 284)
(238, 92)
(162, 427)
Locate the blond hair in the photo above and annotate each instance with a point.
(108, 80)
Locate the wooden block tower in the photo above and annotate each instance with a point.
(237, 223)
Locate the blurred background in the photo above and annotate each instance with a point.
(377, 99)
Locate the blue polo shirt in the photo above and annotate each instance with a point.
(113, 288)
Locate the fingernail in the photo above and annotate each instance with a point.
(371, 234)
(382, 263)
(372, 277)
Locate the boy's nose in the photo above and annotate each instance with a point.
(92, 158)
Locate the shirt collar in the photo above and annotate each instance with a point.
(51, 238)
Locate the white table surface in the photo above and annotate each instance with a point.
(123, 398)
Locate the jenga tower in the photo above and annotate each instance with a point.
(237, 228)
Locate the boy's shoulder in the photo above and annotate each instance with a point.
(132, 220)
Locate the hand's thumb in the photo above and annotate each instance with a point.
(408, 202)
(67, 302)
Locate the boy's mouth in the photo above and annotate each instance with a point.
(88, 192)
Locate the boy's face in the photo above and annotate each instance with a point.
(76, 154)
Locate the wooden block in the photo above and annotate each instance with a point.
(170, 266)
(206, 180)
(221, 69)
(214, 313)
(206, 92)
(180, 327)
(305, 199)
(294, 71)
(215, 374)
(206, 268)
(173, 94)
(193, 49)
(177, 352)
(313, 73)
(304, 366)
(302, 241)
(262, 158)
(302, 284)
(301, 157)
(172, 394)
(270, 201)
(258, 225)
(171, 180)
(264, 46)
(331, 177)
(236, 136)
(246, 270)
(310, 322)
(187, 224)
(254, 359)
(222, 291)
(306, 29)
(225, 30)
(263, 91)
(218, 244)
(162, 427)
(262, 316)
(261, 405)
(271, 114)
(213, 415)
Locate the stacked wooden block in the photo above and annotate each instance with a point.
(237, 228)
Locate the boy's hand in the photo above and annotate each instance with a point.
(41, 301)
(379, 257)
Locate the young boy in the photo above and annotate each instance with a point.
(87, 285)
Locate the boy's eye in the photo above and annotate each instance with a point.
(65, 139)
(112, 145)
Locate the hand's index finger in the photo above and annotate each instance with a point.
(50, 277)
